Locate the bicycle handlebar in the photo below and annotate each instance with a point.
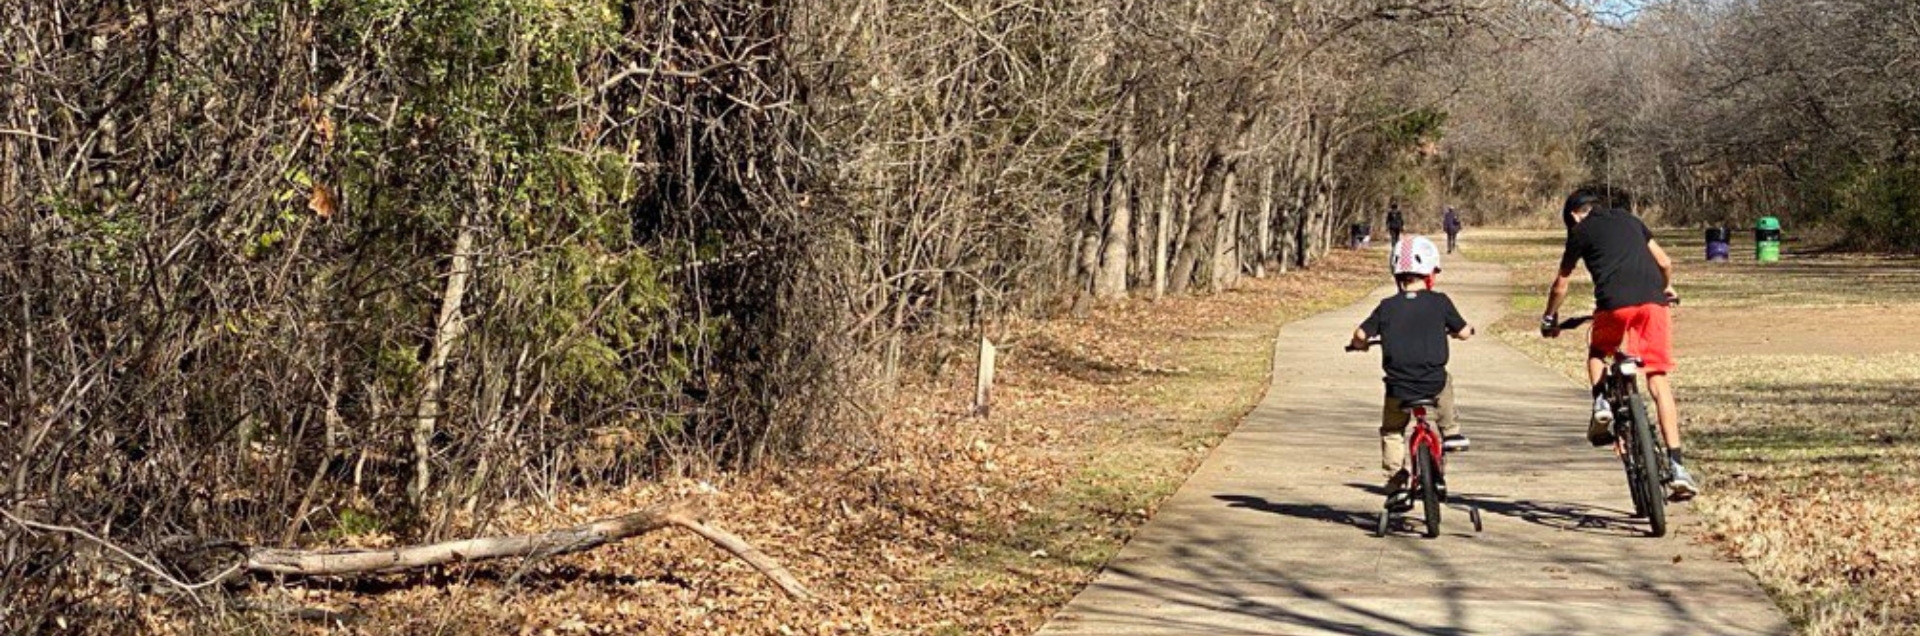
(1368, 345)
(1548, 325)
(1570, 323)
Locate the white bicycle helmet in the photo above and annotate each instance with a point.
(1414, 255)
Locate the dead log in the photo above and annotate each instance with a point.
(684, 514)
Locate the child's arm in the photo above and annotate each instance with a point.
(1456, 325)
(1368, 328)
(1359, 338)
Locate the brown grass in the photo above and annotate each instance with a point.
(1811, 458)
(955, 525)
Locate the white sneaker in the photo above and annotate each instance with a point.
(1600, 428)
(1682, 487)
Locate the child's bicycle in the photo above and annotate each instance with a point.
(1643, 452)
(1428, 462)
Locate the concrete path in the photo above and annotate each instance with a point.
(1273, 534)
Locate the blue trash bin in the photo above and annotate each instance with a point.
(1719, 244)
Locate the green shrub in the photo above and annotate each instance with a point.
(1879, 206)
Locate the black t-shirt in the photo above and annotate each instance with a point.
(1396, 220)
(1413, 328)
(1614, 245)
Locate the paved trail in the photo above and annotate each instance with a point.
(1273, 534)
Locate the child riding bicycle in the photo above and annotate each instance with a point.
(1413, 326)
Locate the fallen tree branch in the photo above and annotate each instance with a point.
(192, 589)
(746, 552)
(683, 513)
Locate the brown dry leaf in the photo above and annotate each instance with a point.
(321, 202)
(323, 126)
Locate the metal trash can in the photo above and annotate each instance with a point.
(1719, 243)
(1766, 240)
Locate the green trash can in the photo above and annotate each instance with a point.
(1766, 240)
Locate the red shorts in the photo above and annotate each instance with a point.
(1647, 331)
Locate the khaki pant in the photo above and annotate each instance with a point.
(1394, 422)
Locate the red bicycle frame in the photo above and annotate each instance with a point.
(1424, 439)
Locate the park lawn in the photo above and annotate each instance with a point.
(1800, 387)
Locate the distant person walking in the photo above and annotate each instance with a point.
(1396, 223)
(1450, 221)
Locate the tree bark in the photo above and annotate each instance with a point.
(1087, 258)
(1162, 223)
(1263, 224)
(1111, 279)
(1225, 272)
(1202, 224)
(447, 329)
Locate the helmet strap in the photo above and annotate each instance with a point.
(1429, 282)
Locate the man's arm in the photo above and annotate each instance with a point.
(1569, 257)
(1557, 294)
(1666, 266)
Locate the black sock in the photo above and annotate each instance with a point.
(1673, 454)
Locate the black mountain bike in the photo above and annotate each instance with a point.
(1638, 441)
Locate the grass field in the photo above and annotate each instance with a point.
(1799, 388)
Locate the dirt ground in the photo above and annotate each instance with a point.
(1858, 331)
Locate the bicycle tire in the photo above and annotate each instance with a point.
(1429, 490)
(1633, 487)
(1648, 460)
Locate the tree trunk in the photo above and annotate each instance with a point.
(1263, 224)
(1140, 268)
(1087, 259)
(1202, 224)
(1110, 281)
(1162, 223)
(447, 329)
(1226, 244)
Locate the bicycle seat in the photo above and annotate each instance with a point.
(1420, 403)
(1627, 364)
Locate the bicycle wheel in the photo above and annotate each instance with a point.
(1646, 451)
(1429, 490)
(1633, 486)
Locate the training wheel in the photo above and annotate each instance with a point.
(1386, 521)
(1474, 513)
